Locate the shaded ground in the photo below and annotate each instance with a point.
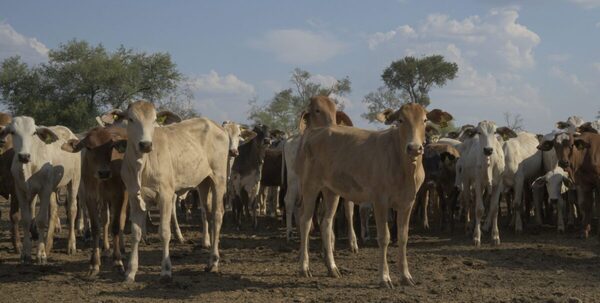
(261, 267)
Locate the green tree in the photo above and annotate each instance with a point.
(284, 109)
(409, 80)
(80, 81)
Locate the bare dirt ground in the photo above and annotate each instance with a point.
(260, 266)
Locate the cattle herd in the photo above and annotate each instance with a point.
(137, 158)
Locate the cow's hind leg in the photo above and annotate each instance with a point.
(72, 214)
(349, 212)
(291, 196)
(178, 233)
(15, 218)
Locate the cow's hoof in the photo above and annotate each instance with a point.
(42, 260)
(386, 284)
(181, 240)
(166, 279)
(477, 242)
(71, 251)
(496, 242)
(129, 280)
(25, 259)
(408, 281)
(306, 273)
(118, 266)
(93, 272)
(211, 268)
(18, 249)
(334, 272)
(106, 253)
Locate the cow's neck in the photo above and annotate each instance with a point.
(409, 167)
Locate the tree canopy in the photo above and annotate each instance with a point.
(80, 81)
(409, 80)
(284, 109)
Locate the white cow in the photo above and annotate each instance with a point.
(481, 169)
(523, 163)
(556, 182)
(39, 167)
(161, 162)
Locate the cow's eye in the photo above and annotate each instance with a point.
(130, 120)
(34, 133)
(425, 121)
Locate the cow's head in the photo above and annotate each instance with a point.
(141, 119)
(411, 120)
(238, 135)
(104, 145)
(5, 141)
(556, 182)
(25, 134)
(489, 135)
(570, 125)
(563, 146)
(322, 112)
(589, 127)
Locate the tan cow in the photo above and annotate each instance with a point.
(103, 190)
(361, 165)
(161, 162)
(39, 167)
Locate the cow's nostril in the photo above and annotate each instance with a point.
(24, 158)
(104, 174)
(145, 146)
(488, 151)
(563, 163)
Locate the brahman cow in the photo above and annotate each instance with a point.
(246, 174)
(39, 167)
(556, 182)
(361, 165)
(162, 162)
(480, 169)
(102, 188)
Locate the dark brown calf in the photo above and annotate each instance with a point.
(7, 187)
(103, 187)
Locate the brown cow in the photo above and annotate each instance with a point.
(380, 166)
(102, 156)
(579, 155)
(7, 187)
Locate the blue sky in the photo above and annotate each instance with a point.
(538, 58)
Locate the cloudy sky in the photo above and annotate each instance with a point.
(538, 58)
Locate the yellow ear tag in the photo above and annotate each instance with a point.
(161, 119)
(443, 124)
(48, 139)
(115, 117)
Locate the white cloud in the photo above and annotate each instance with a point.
(568, 78)
(297, 46)
(13, 43)
(212, 83)
(221, 97)
(377, 38)
(559, 57)
(490, 50)
(324, 80)
(586, 3)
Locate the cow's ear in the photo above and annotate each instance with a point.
(452, 135)
(120, 146)
(539, 182)
(539, 137)
(304, 121)
(72, 146)
(166, 117)
(568, 181)
(446, 156)
(470, 132)
(562, 125)
(581, 144)
(587, 128)
(506, 133)
(342, 119)
(430, 130)
(439, 117)
(387, 116)
(111, 117)
(46, 135)
(247, 135)
(545, 146)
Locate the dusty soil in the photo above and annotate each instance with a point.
(261, 266)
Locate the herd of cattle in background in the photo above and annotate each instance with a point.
(138, 156)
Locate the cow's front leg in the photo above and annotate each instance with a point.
(403, 222)
(383, 239)
(479, 209)
(330, 203)
(42, 221)
(165, 202)
(494, 210)
(26, 205)
(308, 208)
(138, 218)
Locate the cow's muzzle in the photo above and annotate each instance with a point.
(488, 151)
(414, 149)
(233, 152)
(104, 174)
(554, 201)
(145, 146)
(24, 158)
(563, 164)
